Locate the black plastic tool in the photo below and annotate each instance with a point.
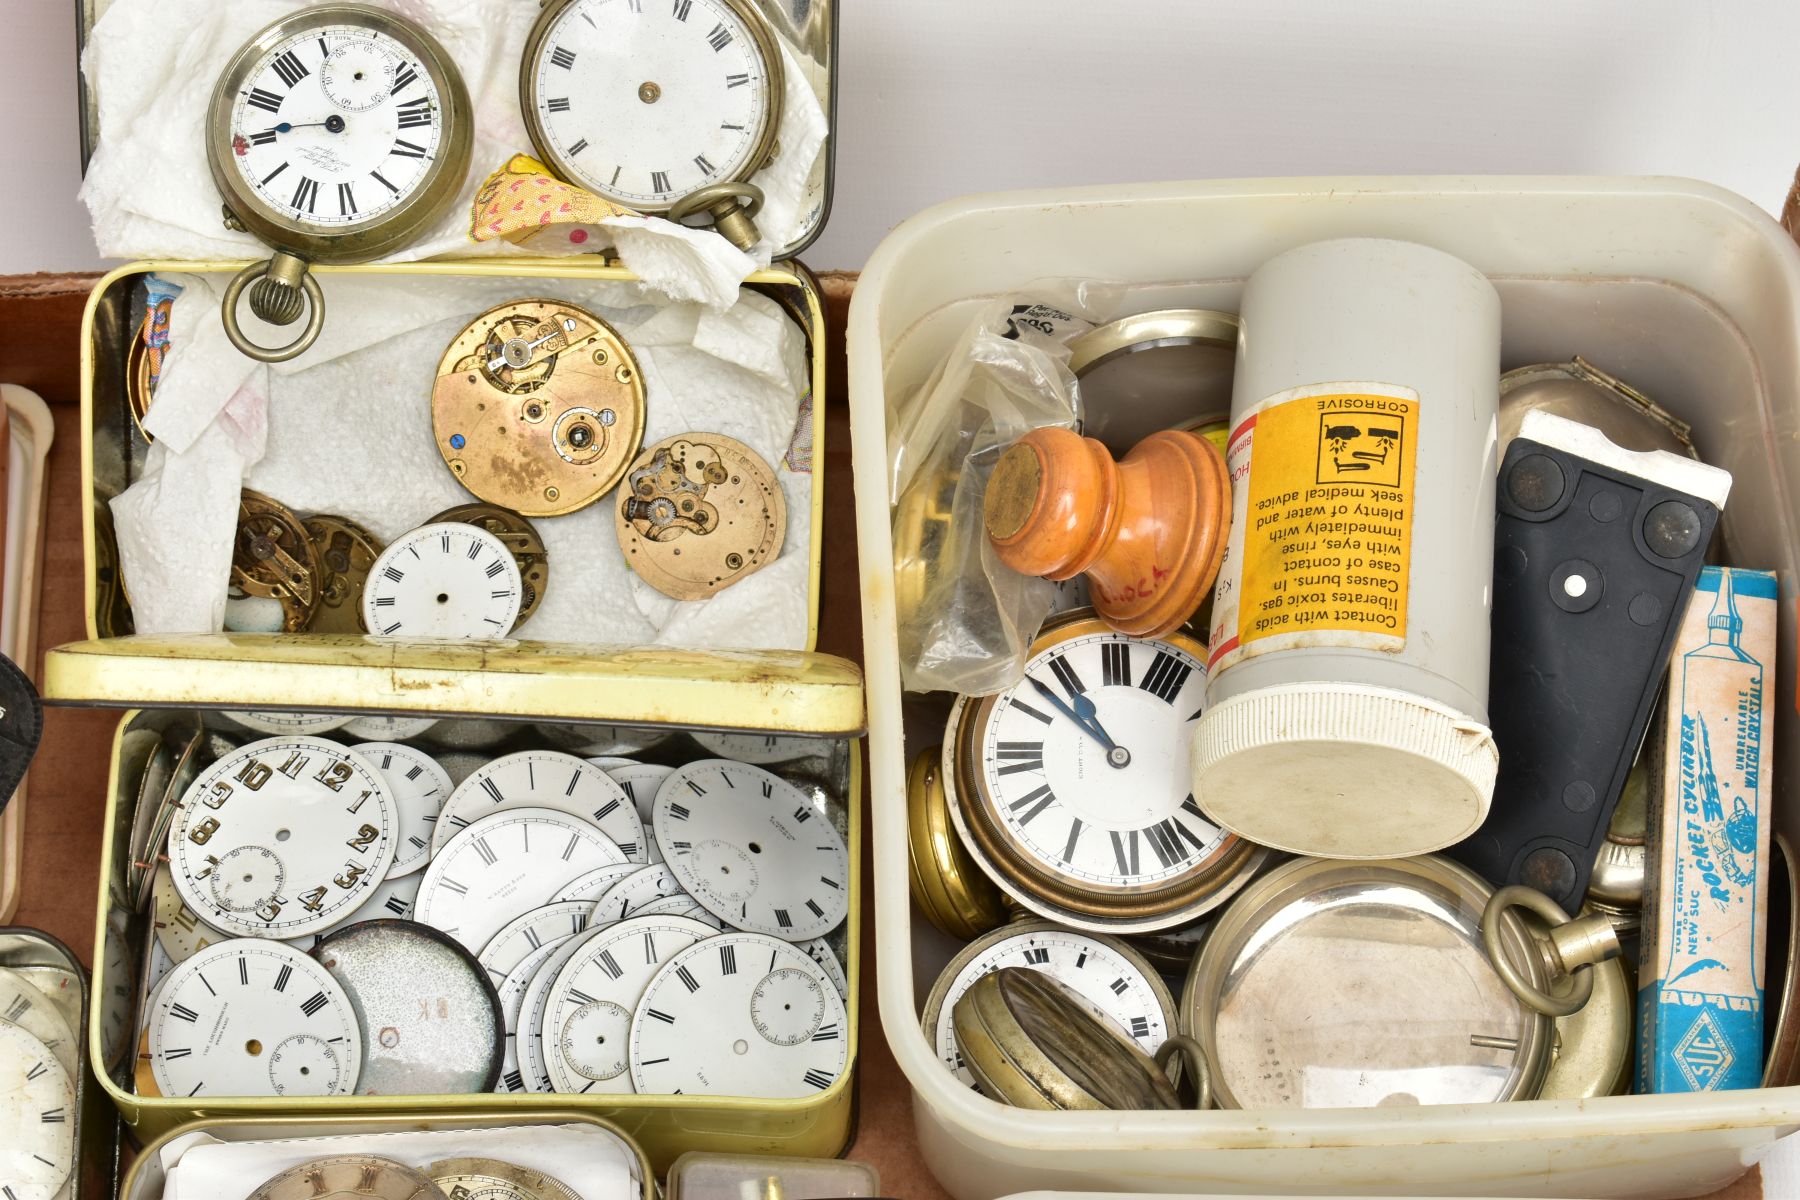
(1593, 566)
(21, 726)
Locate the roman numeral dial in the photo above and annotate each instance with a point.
(645, 101)
(333, 127)
(445, 580)
(753, 849)
(253, 1017)
(1077, 787)
(741, 1014)
(1104, 971)
(36, 1130)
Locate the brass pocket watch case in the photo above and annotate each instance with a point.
(538, 407)
(946, 884)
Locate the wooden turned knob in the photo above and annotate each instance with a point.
(1149, 530)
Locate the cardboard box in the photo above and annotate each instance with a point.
(1700, 984)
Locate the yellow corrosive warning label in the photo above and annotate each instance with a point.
(1321, 543)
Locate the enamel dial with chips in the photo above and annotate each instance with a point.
(251, 1017)
(739, 1014)
(505, 865)
(587, 1021)
(544, 779)
(419, 787)
(1110, 976)
(450, 580)
(282, 837)
(37, 1116)
(753, 849)
(1072, 787)
(646, 101)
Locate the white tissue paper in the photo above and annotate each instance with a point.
(348, 431)
(591, 1161)
(152, 65)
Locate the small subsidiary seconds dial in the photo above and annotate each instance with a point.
(282, 837)
(1116, 981)
(251, 1017)
(1076, 779)
(335, 126)
(645, 101)
(738, 1014)
(752, 849)
(448, 580)
(37, 1117)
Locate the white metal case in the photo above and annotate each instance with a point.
(1689, 291)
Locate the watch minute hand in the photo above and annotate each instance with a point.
(1087, 726)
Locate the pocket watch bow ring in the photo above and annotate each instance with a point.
(336, 135)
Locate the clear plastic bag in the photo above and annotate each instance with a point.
(965, 619)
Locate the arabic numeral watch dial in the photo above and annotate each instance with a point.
(739, 1014)
(448, 580)
(251, 1017)
(667, 107)
(337, 134)
(1071, 788)
(283, 837)
(752, 849)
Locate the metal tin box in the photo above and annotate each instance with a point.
(144, 1179)
(821, 712)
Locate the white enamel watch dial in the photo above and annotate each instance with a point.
(641, 782)
(336, 126)
(282, 837)
(760, 748)
(681, 905)
(606, 762)
(1112, 978)
(381, 727)
(505, 865)
(37, 1117)
(179, 931)
(591, 886)
(511, 991)
(23, 1005)
(644, 101)
(391, 900)
(530, 930)
(753, 849)
(544, 779)
(820, 951)
(1074, 784)
(450, 580)
(587, 1023)
(739, 1014)
(631, 894)
(288, 722)
(533, 1073)
(251, 1017)
(419, 787)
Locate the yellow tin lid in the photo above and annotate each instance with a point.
(771, 691)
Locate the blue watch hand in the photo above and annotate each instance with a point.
(1084, 708)
(1062, 707)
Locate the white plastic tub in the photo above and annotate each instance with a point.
(1687, 291)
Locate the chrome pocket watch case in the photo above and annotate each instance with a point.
(1340, 984)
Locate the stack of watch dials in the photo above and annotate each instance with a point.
(41, 1064)
(342, 917)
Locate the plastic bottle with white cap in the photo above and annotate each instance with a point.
(1347, 704)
